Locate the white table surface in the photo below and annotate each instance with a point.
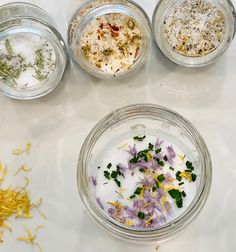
(57, 124)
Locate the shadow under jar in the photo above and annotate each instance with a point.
(109, 38)
(33, 55)
(193, 33)
(144, 173)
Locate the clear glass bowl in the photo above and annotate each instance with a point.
(27, 19)
(143, 119)
(164, 7)
(91, 10)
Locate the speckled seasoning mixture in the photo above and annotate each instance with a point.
(145, 182)
(194, 27)
(111, 43)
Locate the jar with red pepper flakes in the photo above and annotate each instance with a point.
(109, 38)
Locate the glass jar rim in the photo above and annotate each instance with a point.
(169, 229)
(42, 29)
(103, 9)
(192, 61)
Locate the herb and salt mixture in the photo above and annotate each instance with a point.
(144, 182)
(26, 60)
(194, 27)
(111, 43)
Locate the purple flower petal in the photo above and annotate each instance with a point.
(123, 168)
(158, 143)
(170, 154)
(111, 211)
(132, 150)
(168, 208)
(100, 203)
(94, 180)
(168, 178)
(147, 181)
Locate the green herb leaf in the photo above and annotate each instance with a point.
(179, 202)
(161, 163)
(161, 178)
(183, 193)
(181, 183)
(107, 174)
(141, 170)
(114, 174)
(158, 151)
(154, 188)
(175, 193)
(139, 138)
(117, 182)
(177, 175)
(138, 190)
(141, 215)
(150, 146)
(9, 48)
(134, 160)
(171, 168)
(165, 158)
(194, 176)
(109, 165)
(189, 165)
(132, 196)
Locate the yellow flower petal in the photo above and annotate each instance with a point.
(27, 148)
(17, 151)
(23, 168)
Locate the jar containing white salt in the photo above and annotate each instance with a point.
(33, 54)
(109, 38)
(194, 33)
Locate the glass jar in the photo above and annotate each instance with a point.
(116, 46)
(139, 120)
(32, 47)
(194, 33)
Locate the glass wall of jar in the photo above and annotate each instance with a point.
(109, 38)
(193, 33)
(144, 173)
(33, 55)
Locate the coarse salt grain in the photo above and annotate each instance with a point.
(194, 27)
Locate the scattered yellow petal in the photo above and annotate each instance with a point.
(23, 168)
(123, 146)
(26, 182)
(121, 190)
(37, 204)
(0, 166)
(186, 175)
(27, 148)
(149, 156)
(38, 227)
(142, 192)
(4, 173)
(30, 238)
(38, 246)
(182, 157)
(6, 227)
(19, 151)
(115, 204)
(129, 223)
(1, 236)
(148, 220)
